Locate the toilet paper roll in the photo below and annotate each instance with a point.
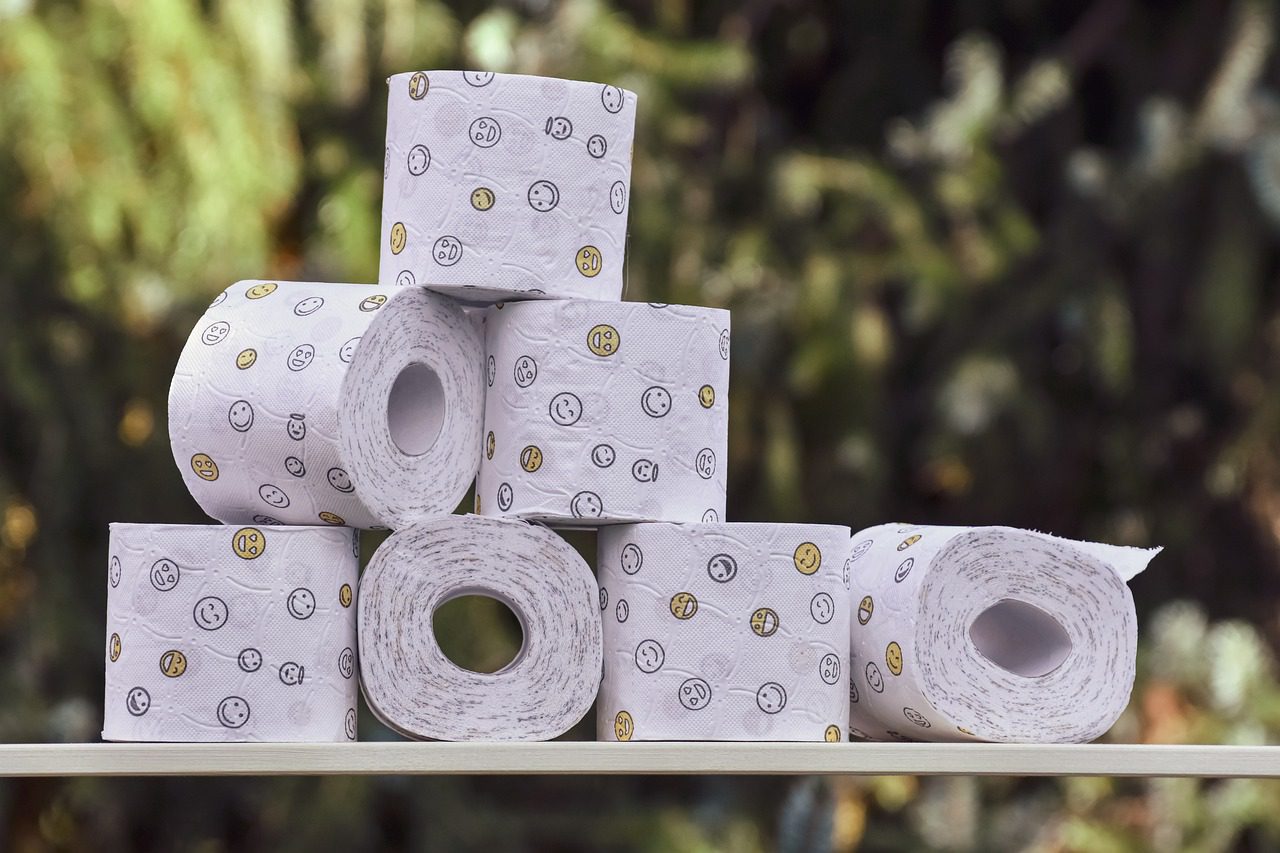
(989, 633)
(298, 403)
(497, 185)
(724, 632)
(605, 412)
(231, 633)
(416, 690)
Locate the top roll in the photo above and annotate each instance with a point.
(989, 633)
(503, 185)
(296, 402)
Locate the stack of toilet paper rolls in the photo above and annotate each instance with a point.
(495, 351)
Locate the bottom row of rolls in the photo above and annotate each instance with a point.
(688, 632)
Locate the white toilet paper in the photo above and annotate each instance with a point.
(724, 632)
(604, 412)
(500, 184)
(416, 690)
(298, 403)
(989, 633)
(231, 633)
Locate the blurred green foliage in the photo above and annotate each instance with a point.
(990, 261)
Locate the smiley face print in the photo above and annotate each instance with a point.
(446, 251)
(525, 371)
(261, 289)
(485, 132)
(248, 543)
(505, 496)
(114, 571)
(764, 622)
(249, 660)
(771, 697)
(612, 98)
(482, 198)
(589, 261)
(531, 458)
(246, 358)
(543, 196)
(490, 444)
(114, 647)
(215, 333)
(204, 467)
(722, 568)
(240, 416)
(295, 466)
(683, 605)
(296, 427)
(165, 574)
(586, 505)
(478, 78)
(909, 541)
(347, 663)
(904, 569)
(707, 396)
(705, 463)
(832, 734)
(724, 344)
(558, 127)
(866, 607)
(273, 495)
(694, 694)
(373, 303)
(291, 673)
(893, 658)
(233, 712)
(210, 613)
(649, 656)
(597, 146)
(618, 197)
(340, 480)
(807, 558)
(822, 607)
(300, 357)
(644, 470)
(138, 701)
(418, 86)
(419, 159)
(656, 401)
(301, 603)
(399, 237)
(874, 679)
(173, 663)
(916, 717)
(566, 408)
(344, 595)
(623, 726)
(829, 668)
(632, 558)
(603, 340)
(603, 455)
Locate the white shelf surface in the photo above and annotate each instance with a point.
(878, 759)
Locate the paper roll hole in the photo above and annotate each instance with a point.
(464, 626)
(1021, 638)
(415, 409)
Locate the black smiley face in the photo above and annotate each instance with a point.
(565, 408)
(164, 574)
(233, 712)
(301, 603)
(301, 357)
(649, 655)
(210, 613)
(656, 401)
(695, 694)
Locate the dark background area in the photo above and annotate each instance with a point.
(990, 261)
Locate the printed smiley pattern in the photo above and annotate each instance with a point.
(299, 433)
(916, 671)
(502, 184)
(724, 632)
(597, 412)
(225, 633)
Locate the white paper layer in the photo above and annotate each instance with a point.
(603, 412)
(413, 687)
(497, 185)
(989, 633)
(305, 403)
(724, 632)
(230, 633)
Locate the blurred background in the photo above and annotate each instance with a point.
(990, 261)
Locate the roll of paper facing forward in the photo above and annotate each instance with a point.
(501, 185)
(724, 632)
(604, 412)
(298, 403)
(231, 633)
(415, 689)
(989, 633)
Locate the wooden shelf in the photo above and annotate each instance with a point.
(257, 759)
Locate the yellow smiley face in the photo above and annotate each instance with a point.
(331, 518)
(373, 303)
(832, 734)
(623, 726)
(205, 467)
(603, 340)
(893, 658)
(965, 731)
(114, 648)
(260, 290)
(344, 595)
(248, 543)
(588, 261)
(482, 198)
(683, 605)
(764, 622)
(865, 608)
(908, 542)
(807, 558)
(489, 444)
(247, 358)
(531, 458)
(173, 663)
(418, 86)
(478, 510)
(398, 238)
(707, 396)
